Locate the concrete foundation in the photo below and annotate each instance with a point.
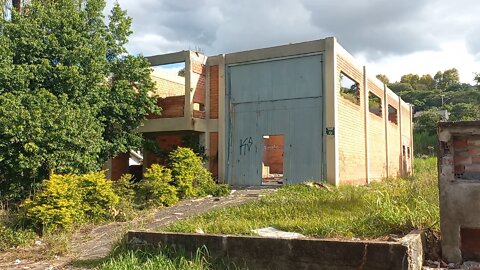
(278, 253)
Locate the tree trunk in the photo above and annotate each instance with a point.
(17, 5)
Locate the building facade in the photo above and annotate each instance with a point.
(286, 114)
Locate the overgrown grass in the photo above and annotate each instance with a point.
(154, 258)
(393, 206)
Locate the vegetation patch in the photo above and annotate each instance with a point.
(393, 206)
(156, 258)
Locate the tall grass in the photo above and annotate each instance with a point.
(393, 206)
(156, 258)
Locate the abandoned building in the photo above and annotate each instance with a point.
(286, 114)
(459, 186)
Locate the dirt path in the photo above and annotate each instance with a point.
(95, 242)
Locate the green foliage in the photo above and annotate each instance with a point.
(125, 191)
(159, 258)
(63, 201)
(14, 237)
(464, 111)
(40, 132)
(156, 188)
(189, 175)
(57, 203)
(72, 92)
(393, 206)
(424, 143)
(98, 196)
(427, 122)
(383, 78)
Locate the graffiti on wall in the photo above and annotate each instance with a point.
(245, 145)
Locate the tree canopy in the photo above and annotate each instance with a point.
(70, 94)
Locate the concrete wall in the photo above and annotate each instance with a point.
(459, 183)
(276, 253)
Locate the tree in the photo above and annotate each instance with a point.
(40, 132)
(412, 79)
(464, 111)
(65, 48)
(427, 122)
(400, 88)
(477, 79)
(383, 78)
(446, 78)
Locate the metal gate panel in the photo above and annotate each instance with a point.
(276, 79)
(295, 114)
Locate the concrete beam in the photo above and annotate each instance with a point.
(169, 58)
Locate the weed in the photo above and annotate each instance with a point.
(393, 206)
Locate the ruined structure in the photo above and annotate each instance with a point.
(459, 183)
(285, 114)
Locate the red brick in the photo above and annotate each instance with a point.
(470, 243)
(459, 160)
(214, 92)
(460, 142)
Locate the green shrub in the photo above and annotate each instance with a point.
(98, 196)
(65, 200)
(125, 190)
(57, 203)
(14, 237)
(156, 189)
(191, 177)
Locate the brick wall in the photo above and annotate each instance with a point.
(350, 131)
(165, 141)
(199, 94)
(119, 166)
(273, 153)
(214, 92)
(168, 88)
(467, 157)
(171, 107)
(213, 154)
(376, 137)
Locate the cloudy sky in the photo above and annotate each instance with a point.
(390, 37)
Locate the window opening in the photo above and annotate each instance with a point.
(392, 114)
(349, 89)
(374, 104)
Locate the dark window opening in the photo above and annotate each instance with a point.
(272, 159)
(374, 104)
(392, 114)
(349, 89)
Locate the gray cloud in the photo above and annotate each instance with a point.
(374, 28)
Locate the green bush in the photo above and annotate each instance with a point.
(98, 196)
(191, 177)
(125, 190)
(57, 203)
(14, 238)
(65, 200)
(156, 188)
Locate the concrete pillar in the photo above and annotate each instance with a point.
(331, 117)
(222, 145)
(385, 119)
(366, 119)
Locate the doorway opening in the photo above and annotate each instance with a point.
(272, 159)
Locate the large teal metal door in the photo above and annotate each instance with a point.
(279, 96)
